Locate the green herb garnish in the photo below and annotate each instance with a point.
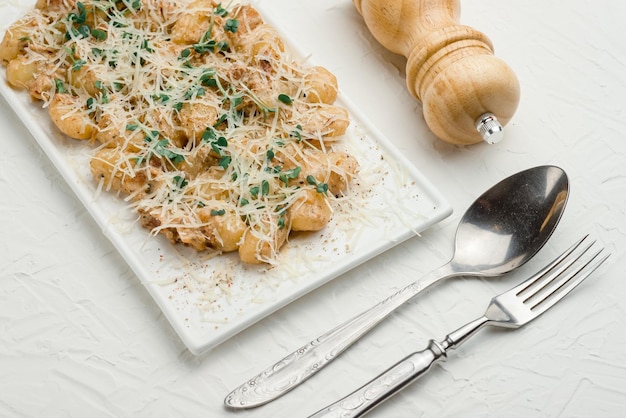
(180, 182)
(232, 25)
(285, 99)
(319, 187)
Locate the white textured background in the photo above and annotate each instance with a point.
(80, 336)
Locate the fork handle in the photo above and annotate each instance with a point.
(398, 376)
(385, 385)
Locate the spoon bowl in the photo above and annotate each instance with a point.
(509, 223)
(501, 230)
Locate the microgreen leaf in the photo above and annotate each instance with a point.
(208, 78)
(209, 134)
(99, 34)
(287, 175)
(79, 17)
(225, 162)
(220, 11)
(60, 87)
(265, 187)
(90, 104)
(297, 133)
(78, 64)
(285, 99)
(180, 182)
(319, 187)
(232, 25)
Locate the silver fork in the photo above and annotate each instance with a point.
(511, 309)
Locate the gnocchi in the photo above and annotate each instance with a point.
(197, 114)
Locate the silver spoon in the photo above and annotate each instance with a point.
(501, 230)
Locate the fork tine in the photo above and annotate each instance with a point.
(521, 288)
(569, 283)
(544, 281)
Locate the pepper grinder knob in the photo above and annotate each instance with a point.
(490, 129)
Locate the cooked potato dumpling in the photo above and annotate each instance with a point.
(197, 115)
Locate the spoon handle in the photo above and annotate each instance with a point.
(312, 357)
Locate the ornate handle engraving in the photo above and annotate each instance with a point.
(385, 385)
(312, 357)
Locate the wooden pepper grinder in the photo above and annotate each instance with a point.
(467, 94)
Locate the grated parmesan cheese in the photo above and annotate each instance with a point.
(216, 135)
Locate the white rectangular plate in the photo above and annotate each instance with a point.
(208, 299)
